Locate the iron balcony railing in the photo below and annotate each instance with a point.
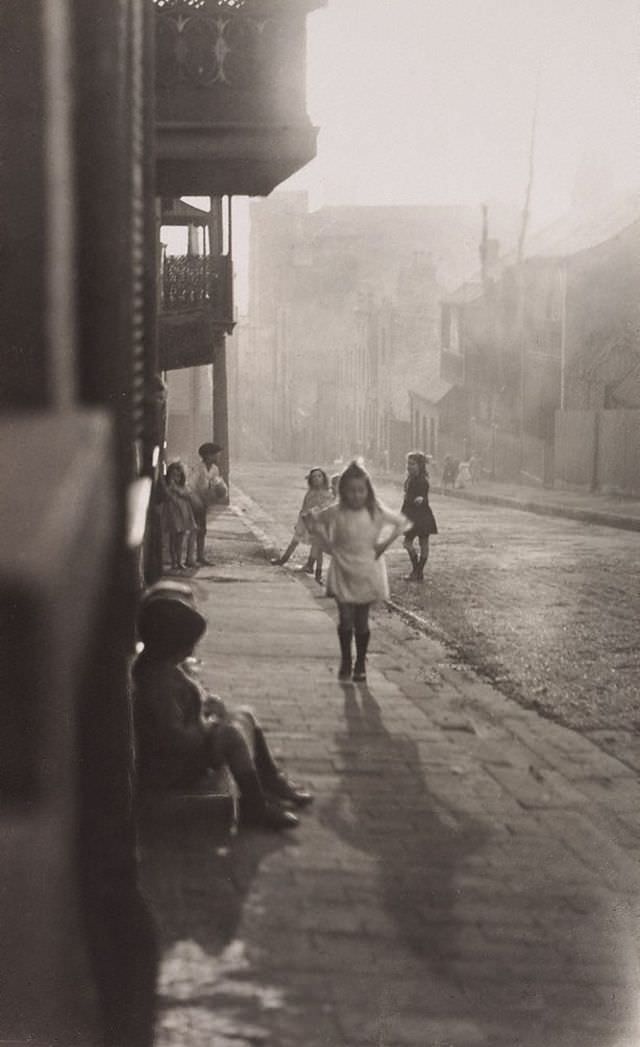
(190, 283)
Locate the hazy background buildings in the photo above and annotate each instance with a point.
(366, 321)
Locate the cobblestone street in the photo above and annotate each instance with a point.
(468, 873)
(545, 607)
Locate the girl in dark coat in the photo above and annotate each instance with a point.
(418, 511)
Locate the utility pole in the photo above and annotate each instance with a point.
(526, 213)
(563, 338)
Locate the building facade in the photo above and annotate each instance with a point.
(559, 331)
(344, 322)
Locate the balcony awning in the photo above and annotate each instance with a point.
(179, 212)
(234, 160)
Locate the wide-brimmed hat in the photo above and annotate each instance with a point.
(168, 619)
(209, 448)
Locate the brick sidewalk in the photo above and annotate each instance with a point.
(468, 874)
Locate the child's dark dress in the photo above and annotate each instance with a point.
(422, 520)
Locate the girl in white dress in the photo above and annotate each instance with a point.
(356, 531)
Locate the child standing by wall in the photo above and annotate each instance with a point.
(418, 511)
(178, 515)
(356, 531)
(318, 496)
(207, 488)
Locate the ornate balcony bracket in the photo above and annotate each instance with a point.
(230, 94)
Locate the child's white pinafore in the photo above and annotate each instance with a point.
(350, 536)
(314, 499)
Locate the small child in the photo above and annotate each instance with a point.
(182, 733)
(418, 511)
(208, 488)
(449, 472)
(463, 477)
(318, 496)
(356, 531)
(178, 515)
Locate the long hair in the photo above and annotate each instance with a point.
(421, 461)
(325, 478)
(177, 469)
(356, 471)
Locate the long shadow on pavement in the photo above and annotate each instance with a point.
(495, 955)
(417, 843)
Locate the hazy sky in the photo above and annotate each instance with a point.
(431, 101)
(427, 101)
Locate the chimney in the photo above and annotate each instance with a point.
(483, 243)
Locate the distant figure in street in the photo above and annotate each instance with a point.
(449, 472)
(356, 531)
(463, 477)
(208, 488)
(418, 511)
(335, 480)
(475, 468)
(179, 520)
(318, 496)
(182, 733)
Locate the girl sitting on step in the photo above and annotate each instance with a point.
(182, 733)
(356, 531)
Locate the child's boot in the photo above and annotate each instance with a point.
(256, 810)
(420, 569)
(200, 544)
(272, 778)
(360, 668)
(319, 569)
(414, 563)
(191, 556)
(345, 636)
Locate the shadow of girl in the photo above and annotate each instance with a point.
(417, 843)
(522, 951)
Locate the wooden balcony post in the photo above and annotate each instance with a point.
(219, 368)
(220, 403)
